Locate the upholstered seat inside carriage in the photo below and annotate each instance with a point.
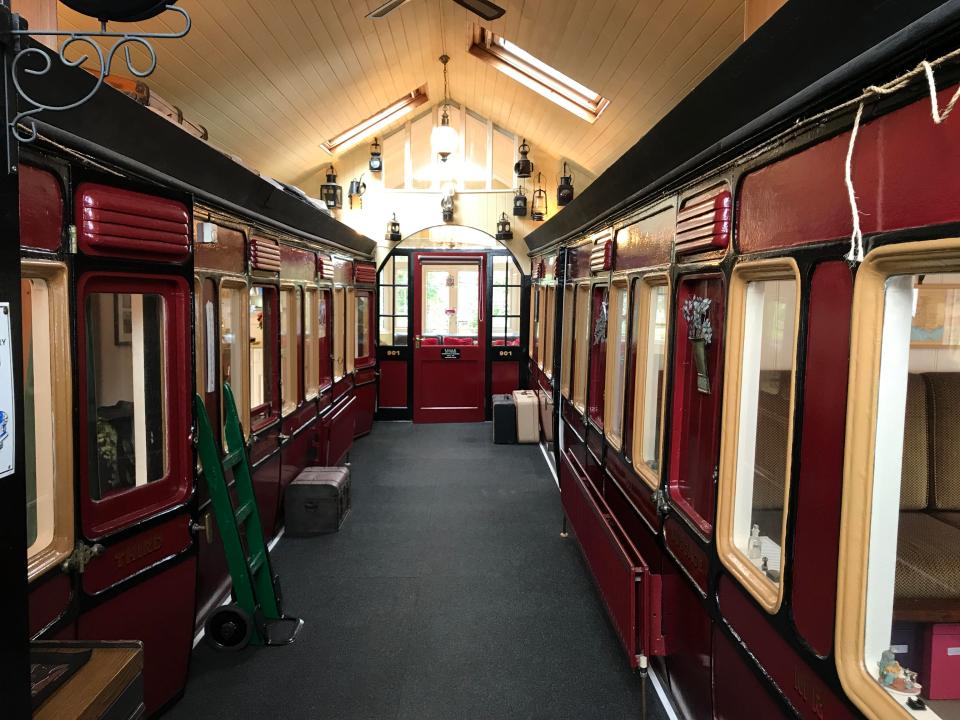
(928, 571)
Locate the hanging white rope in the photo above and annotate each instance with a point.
(855, 255)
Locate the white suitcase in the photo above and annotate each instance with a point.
(528, 416)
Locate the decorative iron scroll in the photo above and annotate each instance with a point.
(22, 127)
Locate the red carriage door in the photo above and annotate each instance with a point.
(449, 328)
(135, 384)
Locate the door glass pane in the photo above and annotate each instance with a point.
(437, 310)
(401, 330)
(311, 358)
(401, 274)
(386, 330)
(400, 297)
(581, 344)
(763, 438)
(339, 325)
(598, 353)
(363, 326)
(323, 339)
(654, 356)
(125, 381)
(38, 427)
(617, 348)
(468, 302)
(233, 339)
(451, 297)
(500, 270)
(289, 341)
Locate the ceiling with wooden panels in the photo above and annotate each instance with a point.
(272, 79)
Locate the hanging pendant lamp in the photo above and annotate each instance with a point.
(444, 139)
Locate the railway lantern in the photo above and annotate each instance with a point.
(520, 203)
(523, 168)
(503, 228)
(565, 188)
(357, 189)
(330, 192)
(446, 206)
(538, 209)
(376, 157)
(393, 230)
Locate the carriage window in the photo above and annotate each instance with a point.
(597, 339)
(311, 347)
(263, 357)
(364, 350)
(125, 377)
(234, 331)
(911, 510)
(339, 319)
(351, 330)
(534, 322)
(616, 362)
(650, 329)
(506, 301)
(566, 342)
(581, 347)
(290, 331)
(548, 319)
(324, 336)
(755, 449)
(451, 302)
(393, 301)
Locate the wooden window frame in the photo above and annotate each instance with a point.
(338, 341)
(364, 361)
(533, 351)
(643, 291)
(61, 544)
(325, 300)
(866, 342)
(311, 349)
(620, 284)
(292, 325)
(241, 395)
(549, 320)
(566, 340)
(581, 347)
(270, 413)
(351, 331)
(764, 590)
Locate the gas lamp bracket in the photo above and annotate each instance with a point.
(21, 61)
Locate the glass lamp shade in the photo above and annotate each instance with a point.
(538, 211)
(444, 139)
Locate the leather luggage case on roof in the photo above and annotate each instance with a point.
(504, 420)
(317, 501)
(528, 416)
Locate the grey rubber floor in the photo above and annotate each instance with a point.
(447, 594)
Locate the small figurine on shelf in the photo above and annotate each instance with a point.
(909, 680)
(754, 546)
(889, 668)
(896, 678)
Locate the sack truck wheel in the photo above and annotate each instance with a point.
(228, 628)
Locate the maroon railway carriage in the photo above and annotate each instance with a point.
(136, 295)
(757, 438)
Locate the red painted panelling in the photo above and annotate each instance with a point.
(899, 175)
(820, 483)
(686, 551)
(366, 402)
(736, 687)
(795, 678)
(266, 488)
(48, 601)
(506, 377)
(341, 423)
(647, 242)
(450, 390)
(633, 488)
(296, 264)
(695, 425)
(688, 631)
(393, 383)
(121, 223)
(159, 613)
(125, 559)
(41, 209)
(213, 574)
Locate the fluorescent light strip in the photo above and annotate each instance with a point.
(375, 122)
(544, 80)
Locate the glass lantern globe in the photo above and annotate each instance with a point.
(444, 139)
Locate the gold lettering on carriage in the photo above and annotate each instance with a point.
(138, 550)
(807, 691)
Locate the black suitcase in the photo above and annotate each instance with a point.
(504, 420)
(317, 501)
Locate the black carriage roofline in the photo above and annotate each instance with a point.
(120, 131)
(811, 55)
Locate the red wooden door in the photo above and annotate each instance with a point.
(449, 328)
(136, 470)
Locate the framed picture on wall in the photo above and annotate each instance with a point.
(122, 319)
(936, 319)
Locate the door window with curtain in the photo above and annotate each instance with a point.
(451, 303)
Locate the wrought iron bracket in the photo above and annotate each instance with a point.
(21, 62)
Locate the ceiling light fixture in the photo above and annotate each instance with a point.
(376, 122)
(444, 138)
(535, 74)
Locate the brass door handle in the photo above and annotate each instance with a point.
(417, 340)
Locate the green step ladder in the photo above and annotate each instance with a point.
(256, 614)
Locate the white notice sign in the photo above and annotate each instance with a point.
(8, 420)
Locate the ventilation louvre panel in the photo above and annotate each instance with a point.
(120, 223)
(365, 273)
(703, 222)
(325, 267)
(265, 255)
(601, 254)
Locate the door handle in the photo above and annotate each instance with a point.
(81, 557)
(206, 527)
(417, 340)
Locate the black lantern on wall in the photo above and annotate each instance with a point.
(565, 188)
(376, 157)
(520, 203)
(538, 208)
(523, 168)
(503, 228)
(357, 189)
(330, 192)
(446, 206)
(393, 230)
